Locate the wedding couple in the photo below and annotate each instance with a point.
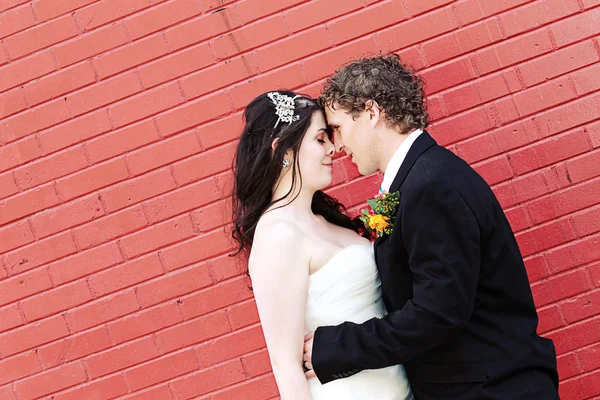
(438, 307)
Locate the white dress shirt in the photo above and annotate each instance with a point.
(397, 159)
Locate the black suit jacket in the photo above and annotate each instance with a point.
(461, 313)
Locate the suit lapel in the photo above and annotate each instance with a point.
(423, 142)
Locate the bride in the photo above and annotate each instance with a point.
(308, 262)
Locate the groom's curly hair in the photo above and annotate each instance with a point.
(394, 86)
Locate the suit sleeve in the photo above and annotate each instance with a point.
(442, 239)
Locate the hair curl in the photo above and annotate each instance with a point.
(394, 86)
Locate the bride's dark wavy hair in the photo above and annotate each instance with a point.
(257, 167)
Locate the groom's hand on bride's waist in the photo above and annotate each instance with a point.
(307, 359)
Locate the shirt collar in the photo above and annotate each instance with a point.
(397, 159)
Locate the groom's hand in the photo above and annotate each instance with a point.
(307, 359)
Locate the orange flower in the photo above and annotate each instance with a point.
(378, 222)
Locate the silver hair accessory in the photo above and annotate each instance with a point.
(284, 105)
(286, 163)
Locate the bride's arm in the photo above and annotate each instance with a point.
(279, 270)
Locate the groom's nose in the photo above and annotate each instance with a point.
(337, 140)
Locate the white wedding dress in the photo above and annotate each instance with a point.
(347, 288)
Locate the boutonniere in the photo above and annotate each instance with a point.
(379, 220)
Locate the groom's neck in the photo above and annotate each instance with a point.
(390, 142)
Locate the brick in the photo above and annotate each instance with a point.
(490, 7)
(48, 9)
(544, 96)
(104, 12)
(243, 314)
(16, 20)
(39, 253)
(586, 80)
(157, 236)
(8, 187)
(442, 48)
(74, 131)
(549, 151)
(182, 200)
(102, 389)
(567, 366)
(260, 388)
(463, 126)
(100, 311)
(192, 113)
(145, 322)
(120, 357)
(92, 178)
(291, 49)
(24, 70)
(12, 102)
(584, 167)
(161, 17)
(536, 14)
(41, 36)
(110, 227)
(145, 104)
(225, 267)
(589, 357)
(561, 287)
(176, 65)
(315, 12)
(216, 297)
(197, 249)
(578, 27)
(479, 35)
(217, 77)
(209, 380)
(191, 332)
(416, 7)
(135, 190)
(33, 120)
(250, 36)
(24, 285)
(495, 170)
(6, 392)
(257, 363)
(85, 263)
(570, 115)
(205, 164)
(91, 44)
(162, 369)
(576, 336)
(213, 216)
(416, 30)
(174, 285)
(199, 29)
(120, 141)
(164, 152)
(249, 10)
(15, 368)
(365, 21)
(524, 188)
(10, 317)
(587, 222)
(74, 347)
(447, 75)
(51, 168)
(223, 130)
(15, 235)
(558, 62)
(125, 275)
(537, 268)
(550, 319)
(518, 218)
(581, 307)
(56, 300)
(212, 5)
(66, 216)
(33, 335)
(131, 55)
(17, 153)
(51, 381)
(462, 98)
(594, 132)
(155, 393)
(104, 93)
(231, 346)
(320, 65)
(59, 83)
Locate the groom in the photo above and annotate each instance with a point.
(461, 314)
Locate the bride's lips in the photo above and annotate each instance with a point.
(328, 165)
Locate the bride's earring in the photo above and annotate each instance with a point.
(286, 163)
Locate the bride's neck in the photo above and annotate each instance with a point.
(299, 197)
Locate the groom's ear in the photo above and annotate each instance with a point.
(373, 111)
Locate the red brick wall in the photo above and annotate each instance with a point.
(118, 119)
